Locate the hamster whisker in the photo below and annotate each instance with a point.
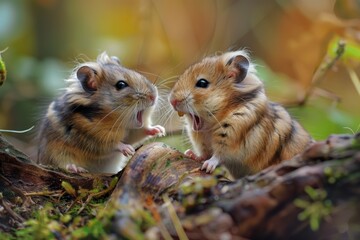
(214, 117)
(121, 118)
(166, 116)
(115, 109)
(162, 82)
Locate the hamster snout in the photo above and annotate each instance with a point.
(174, 102)
(148, 98)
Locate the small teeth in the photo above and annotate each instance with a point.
(181, 114)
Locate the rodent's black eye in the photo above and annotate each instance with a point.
(121, 85)
(202, 83)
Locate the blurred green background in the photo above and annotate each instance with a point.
(160, 38)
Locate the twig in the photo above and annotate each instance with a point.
(174, 218)
(89, 198)
(71, 205)
(13, 188)
(17, 131)
(150, 205)
(354, 78)
(98, 194)
(327, 94)
(4, 50)
(325, 65)
(323, 68)
(13, 214)
(44, 193)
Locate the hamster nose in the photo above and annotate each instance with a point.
(152, 98)
(174, 102)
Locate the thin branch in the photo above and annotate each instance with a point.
(13, 214)
(323, 68)
(354, 78)
(325, 65)
(174, 218)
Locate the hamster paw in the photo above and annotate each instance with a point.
(126, 149)
(155, 130)
(75, 169)
(210, 164)
(193, 155)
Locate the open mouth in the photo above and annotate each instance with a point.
(197, 123)
(139, 119)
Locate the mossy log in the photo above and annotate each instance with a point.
(313, 195)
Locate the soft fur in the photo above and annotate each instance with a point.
(87, 127)
(239, 127)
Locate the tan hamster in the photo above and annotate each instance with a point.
(229, 119)
(104, 111)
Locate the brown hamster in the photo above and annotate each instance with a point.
(104, 111)
(229, 119)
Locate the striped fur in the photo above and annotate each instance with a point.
(240, 127)
(85, 128)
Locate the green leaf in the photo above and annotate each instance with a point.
(300, 203)
(68, 188)
(81, 232)
(314, 222)
(311, 192)
(2, 69)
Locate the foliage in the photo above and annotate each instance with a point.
(317, 208)
(48, 223)
(333, 175)
(57, 219)
(43, 226)
(2, 69)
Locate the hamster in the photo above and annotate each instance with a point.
(230, 120)
(104, 111)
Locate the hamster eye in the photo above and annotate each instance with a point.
(202, 83)
(121, 85)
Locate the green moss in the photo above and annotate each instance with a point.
(6, 236)
(73, 219)
(153, 165)
(168, 163)
(333, 175)
(43, 226)
(316, 208)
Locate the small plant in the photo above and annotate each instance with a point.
(316, 208)
(334, 174)
(43, 226)
(2, 68)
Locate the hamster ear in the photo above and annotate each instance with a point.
(116, 59)
(238, 67)
(87, 78)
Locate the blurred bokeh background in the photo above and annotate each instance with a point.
(289, 41)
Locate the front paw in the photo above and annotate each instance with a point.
(155, 130)
(126, 149)
(72, 168)
(210, 164)
(190, 153)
